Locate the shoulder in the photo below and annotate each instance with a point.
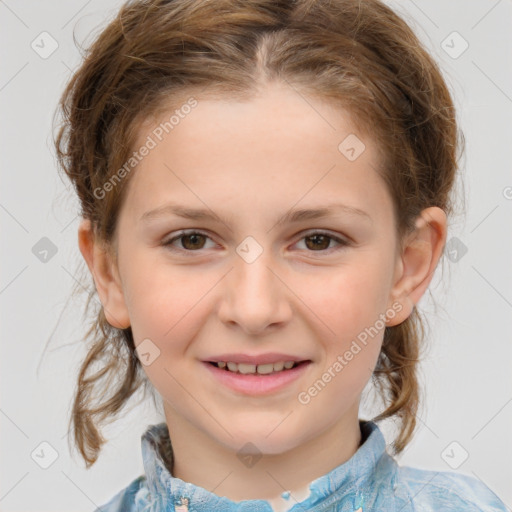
(439, 491)
(130, 499)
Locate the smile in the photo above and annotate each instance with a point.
(248, 379)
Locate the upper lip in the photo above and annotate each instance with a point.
(267, 358)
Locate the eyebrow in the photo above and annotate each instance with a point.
(292, 216)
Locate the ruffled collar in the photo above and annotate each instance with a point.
(352, 480)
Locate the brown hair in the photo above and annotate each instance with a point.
(357, 54)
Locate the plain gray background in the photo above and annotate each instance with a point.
(467, 373)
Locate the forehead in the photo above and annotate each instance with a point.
(276, 150)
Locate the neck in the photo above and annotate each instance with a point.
(204, 462)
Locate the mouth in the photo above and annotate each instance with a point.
(249, 380)
(260, 369)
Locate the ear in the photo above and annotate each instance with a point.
(416, 265)
(106, 276)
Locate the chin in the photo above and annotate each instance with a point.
(258, 441)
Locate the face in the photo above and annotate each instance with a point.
(240, 281)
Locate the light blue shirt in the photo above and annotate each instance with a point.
(371, 480)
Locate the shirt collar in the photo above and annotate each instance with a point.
(354, 477)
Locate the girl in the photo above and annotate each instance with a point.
(265, 189)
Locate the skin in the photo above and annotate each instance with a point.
(251, 162)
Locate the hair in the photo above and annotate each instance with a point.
(359, 55)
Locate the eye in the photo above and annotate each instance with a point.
(315, 241)
(190, 241)
(319, 241)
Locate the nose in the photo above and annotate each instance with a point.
(254, 295)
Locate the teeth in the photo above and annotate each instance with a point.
(233, 367)
(260, 368)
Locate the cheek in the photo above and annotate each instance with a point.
(350, 298)
(169, 313)
(351, 303)
(164, 305)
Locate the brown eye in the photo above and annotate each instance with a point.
(318, 241)
(190, 241)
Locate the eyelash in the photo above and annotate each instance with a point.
(342, 243)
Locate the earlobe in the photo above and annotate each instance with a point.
(418, 261)
(105, 275)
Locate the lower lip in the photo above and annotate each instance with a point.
(257, 384)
